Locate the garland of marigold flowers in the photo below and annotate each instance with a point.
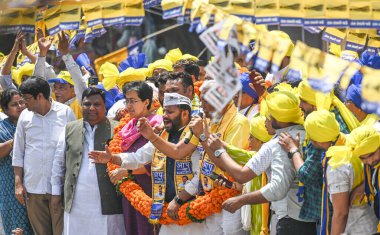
(197, 85)
(193, 211)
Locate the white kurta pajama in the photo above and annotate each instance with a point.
(86, 216)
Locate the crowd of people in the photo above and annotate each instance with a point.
(298, 161)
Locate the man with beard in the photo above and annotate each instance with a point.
(182, 83)
(167, 172)
(282, 187)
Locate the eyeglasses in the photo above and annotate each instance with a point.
(18, 103)
(131, 101)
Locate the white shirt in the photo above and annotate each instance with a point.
(86, 213)
(361, 219)
(35, 143)
(282, 185)
(144, 155)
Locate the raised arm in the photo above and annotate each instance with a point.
(40, 68)
(6, 75)
(73, 68)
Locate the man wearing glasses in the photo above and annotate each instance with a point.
(35, 141)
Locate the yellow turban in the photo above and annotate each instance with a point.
(284, 107)
(324, 101)
(25, 70)
(284, 36)
(160, 64)
(321, 126)
(361, 141)
(131, 75)
(174, 55)
(110, 74)
(189, 57)
(258, 129)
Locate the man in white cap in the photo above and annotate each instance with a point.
(167, 172)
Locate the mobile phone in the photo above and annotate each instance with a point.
(259, 89)
(215, 176)
(93, 81)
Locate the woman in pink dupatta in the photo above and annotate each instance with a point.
(138, 96)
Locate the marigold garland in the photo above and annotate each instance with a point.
(193, 211)
(197, 85)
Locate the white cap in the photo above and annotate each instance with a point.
(176, 99)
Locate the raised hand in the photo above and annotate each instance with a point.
(288, 143)
(63, 44)
(43, 43)
(214, 142)
(17, 45)
(145, 129)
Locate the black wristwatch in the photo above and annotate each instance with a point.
(291, 154)
(178, 200)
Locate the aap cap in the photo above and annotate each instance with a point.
(176, 99)
(63, 77)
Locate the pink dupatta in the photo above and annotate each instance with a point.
(129, 133)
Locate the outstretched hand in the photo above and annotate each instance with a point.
(101, 157)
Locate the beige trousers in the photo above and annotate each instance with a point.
(41, 215)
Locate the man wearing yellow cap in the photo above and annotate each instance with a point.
(345, 173)
(64, 92)
(323, 131)
(284, 115)
(159, 66)
(68, 85)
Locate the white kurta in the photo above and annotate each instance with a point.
(86, 216)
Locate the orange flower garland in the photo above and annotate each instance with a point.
(197, 85)
(193, 211)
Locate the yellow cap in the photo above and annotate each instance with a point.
(321, 126)
(160, 64)
(131, 75)
(174, 55)
(258, 129)
(110, 74)
(284, 107)
(25, 70)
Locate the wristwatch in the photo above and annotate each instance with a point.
(202, 137)
(178, 200)
(291, 153)
(219, 152)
